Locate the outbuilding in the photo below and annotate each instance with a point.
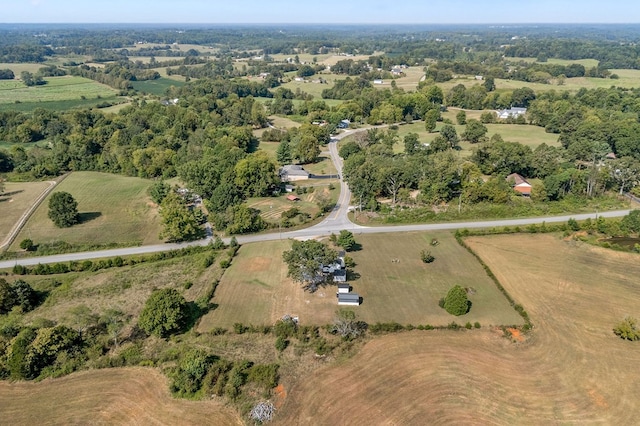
(352, 299)
(344, 288)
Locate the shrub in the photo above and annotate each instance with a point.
(476, 324)
(27, 244)
(456, 302)
(627, 329)
(281, 343)
(164, 313)
(426, 256)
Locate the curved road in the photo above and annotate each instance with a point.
(336, 221)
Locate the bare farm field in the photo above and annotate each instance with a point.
(571, 369)
(16, 199)
(102, 397)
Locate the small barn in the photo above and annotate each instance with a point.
(293, 198)
(292, 173)
(520, 184)
(352, 299)
(344, 288)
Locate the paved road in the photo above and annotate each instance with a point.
(336, 221)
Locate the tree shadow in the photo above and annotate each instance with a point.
(352, 275)
(356, 247)
(9, 194)
(196, 311)
(89, 216)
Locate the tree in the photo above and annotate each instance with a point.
(158, 191)
(426, 256)
(114, 321)
(411, 143)
(346, 326)
(346, 240)
(25, 296)
(165, 312)
(448, 132)
(461, 118)
(304, 262)
(179, 223)
(283, 153)
(307, 149)
(7, 297)
(63, 210)
(82, 318)
(430, 120)
(456, 302)
(474, 132)
(631, 222)
(255, 175)
(489, 84)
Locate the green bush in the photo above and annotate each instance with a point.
(281, 343)
(627, 329)
(456, 302)
(164, 313)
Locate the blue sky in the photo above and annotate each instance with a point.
(325, 11)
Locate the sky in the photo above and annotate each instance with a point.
(325, 11)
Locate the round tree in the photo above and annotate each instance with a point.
(456, 302)
(63, 210)
(164, 313)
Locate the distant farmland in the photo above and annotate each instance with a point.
(156, 87)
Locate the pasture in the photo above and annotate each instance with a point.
(156, 87)
(113, 209)
(532, 136)
(16, 199)
(256, 289)
(105, 397)
(57, 89)
(571, 369)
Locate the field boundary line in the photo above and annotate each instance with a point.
(27, 214)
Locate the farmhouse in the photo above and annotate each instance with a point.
(511, 112)
(352, 299)
(520, 184)
(293, 172)
(340, 276)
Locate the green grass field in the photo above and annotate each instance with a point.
(531, 136)
(156, 87)
(57, 89)
(256, 290)
(113, 209)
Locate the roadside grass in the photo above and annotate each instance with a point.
(125, 288)
(156, 87)
(113, 209)
(65, 88)
(16, 199)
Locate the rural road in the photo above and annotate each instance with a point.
(336, 221)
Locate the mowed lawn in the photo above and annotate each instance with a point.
(16, 199)
(57, 89)
(256, 290)
(572, 369)
(113, 209)
(532, 136)
(397, 286)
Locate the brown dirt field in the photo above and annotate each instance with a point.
(132, 396)
(571, 369)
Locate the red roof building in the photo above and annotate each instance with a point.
(520, 184)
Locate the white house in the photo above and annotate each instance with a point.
(511, 112)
